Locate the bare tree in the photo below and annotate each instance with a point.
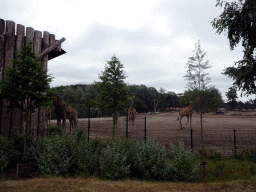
(196, 75)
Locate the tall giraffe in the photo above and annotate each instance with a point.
(64, 112)
(132, 112)
(188, 111)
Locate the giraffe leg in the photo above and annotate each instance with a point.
(187, 121)
(180, 122)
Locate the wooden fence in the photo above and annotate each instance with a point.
(11, 42)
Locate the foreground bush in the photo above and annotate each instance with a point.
(182, 166)
(53, 154)
(87, 155)
(152, 161)
(130, 158)
(4, 153)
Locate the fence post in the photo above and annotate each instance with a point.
(127, 126)
(235, 141)
(145, 129)
(89, 118)
(191, 130)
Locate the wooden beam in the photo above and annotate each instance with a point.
(52, 47)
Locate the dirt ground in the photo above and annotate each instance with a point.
(218, 130)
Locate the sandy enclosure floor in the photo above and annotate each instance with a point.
(218, 130)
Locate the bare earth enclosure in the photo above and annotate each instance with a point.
(218, 130)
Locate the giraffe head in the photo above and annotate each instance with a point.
(57, 98)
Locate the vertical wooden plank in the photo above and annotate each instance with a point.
(2, 31)
(52, 39)
(37, 115)
(29, 38)
(2, 42)
(37, 42)
(9, 55)
(9, 43)
(30, 35)
(46, 44)
(20, 40)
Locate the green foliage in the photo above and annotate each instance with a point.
(211, 99)
(87, 155)
(53, 154)
(114, 162)
(238, 21)
(113, 91)
(54, 130)
(182, 166)
(128, 158)
(26, 81)
(4, 153)
(152, 161)
(232, 96)
(214, 155)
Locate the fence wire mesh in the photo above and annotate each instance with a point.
(221, 140)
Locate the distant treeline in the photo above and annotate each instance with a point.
(147, 99)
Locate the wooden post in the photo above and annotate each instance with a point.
(30, 34)
(9, 55)
(38, 112)
(46, 44)
(20, 39)
(2, 42)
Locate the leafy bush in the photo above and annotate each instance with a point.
(53, 154)
(87, 155)
(114, 161)
(125, 158)
(152, 161)
(182, 166)
(214, 155)
(53, 130)
(4, 153)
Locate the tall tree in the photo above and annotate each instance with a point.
(113, 91)
(239, 20)
(232, 96)
(27, 81)
(196, 75)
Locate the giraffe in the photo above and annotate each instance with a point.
(48, 112)
(188, 111)
(64, 112)
(132, 112)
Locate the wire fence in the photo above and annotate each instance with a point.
(228, 142)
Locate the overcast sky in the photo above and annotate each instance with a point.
(152, 38)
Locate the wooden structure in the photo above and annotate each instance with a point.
(11, 42)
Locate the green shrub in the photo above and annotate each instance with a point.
(214, 155)
(4, 153)
(53, 154)
(182, 166)
(87, 155)
(53, 130)
(151, 161)
(114, 162)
